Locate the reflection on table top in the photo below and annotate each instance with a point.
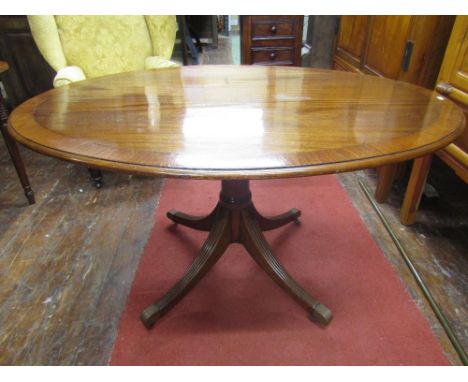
(237, 122)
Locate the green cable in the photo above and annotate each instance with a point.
(427, 293)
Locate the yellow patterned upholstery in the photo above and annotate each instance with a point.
(80, 47)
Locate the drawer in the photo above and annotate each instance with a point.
(271, 40)
(283, 42)
(273, 30)
(283, 56)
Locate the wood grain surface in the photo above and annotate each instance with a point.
(231, 122)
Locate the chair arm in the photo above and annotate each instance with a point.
(67, 75)
(154, 62)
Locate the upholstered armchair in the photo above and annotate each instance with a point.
(80, 47)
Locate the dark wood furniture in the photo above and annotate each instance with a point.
(406, 48)
(452, 83)
(204, 27)
(29, 74)
(271, 40)
(11, 145)
(277, 122)
(195, 28)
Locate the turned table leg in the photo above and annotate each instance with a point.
(13, 150)
(96, 176)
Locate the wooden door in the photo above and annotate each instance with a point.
(454, 70)
(453, 83)
(351, 42)
(408, 48)
(388, 36)
(429, 36)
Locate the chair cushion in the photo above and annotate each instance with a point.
(155, 62)
(104, 45)
(67, 75)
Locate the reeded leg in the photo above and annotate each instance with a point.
(235, 220)
(252, 238)
(268, 223)
(201, 223)
(13, 150)
(217, 242)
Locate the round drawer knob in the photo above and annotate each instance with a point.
(273, 29)
(272, 56)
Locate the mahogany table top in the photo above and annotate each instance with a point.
(236, 122)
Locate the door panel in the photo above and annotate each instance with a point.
(387, 40)
(459, 71)
(352, 37)
(453, 78)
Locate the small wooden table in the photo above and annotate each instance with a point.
(236, 123)
(12, 147)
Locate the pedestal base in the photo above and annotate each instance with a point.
(235, 220)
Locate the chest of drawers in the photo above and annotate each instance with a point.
(271, 40)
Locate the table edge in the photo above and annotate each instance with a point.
(239, 174)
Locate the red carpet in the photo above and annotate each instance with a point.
(237, 316)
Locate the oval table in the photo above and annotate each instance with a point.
(236, 123)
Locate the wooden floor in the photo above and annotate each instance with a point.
(67, 262)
